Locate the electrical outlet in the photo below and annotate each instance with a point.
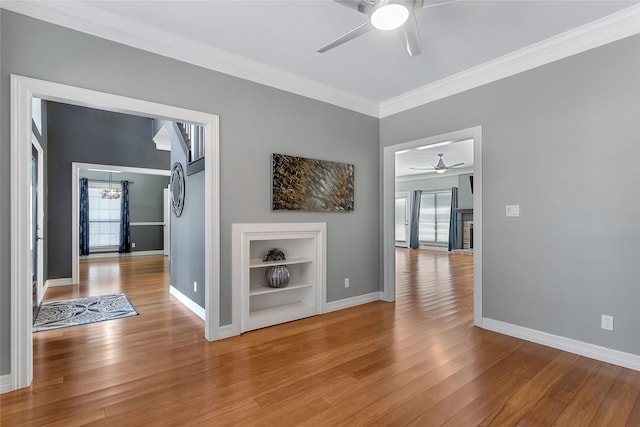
(133, 245)
(607, 322)
(513, 210)
(195, 286)
(346, 282)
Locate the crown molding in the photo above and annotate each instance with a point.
(89, 19)
(619, 25)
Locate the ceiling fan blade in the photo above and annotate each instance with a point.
(424, 169)
(430, 3)
(410, 36)
(358, 31)
(455, 166)
(357, 5)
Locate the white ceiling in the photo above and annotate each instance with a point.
(275, 41)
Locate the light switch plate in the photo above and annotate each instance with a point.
(513, 210)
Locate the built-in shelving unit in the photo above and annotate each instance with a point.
(259, 305)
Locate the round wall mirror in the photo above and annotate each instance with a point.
(176, 188)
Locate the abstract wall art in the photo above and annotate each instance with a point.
(298, 183)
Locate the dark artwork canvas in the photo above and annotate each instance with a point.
(298, 183)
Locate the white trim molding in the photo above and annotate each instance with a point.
(341, 304)
(99, 255)
(617, 26)
(63, 281)
(5, 383)
(228, 331)
(22, 91)
(195, 308)
(620, 358)
(89, 19)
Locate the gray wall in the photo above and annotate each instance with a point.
(255, 121)
(79, 134)
(187, 233)
(563, 141)
(146, 204)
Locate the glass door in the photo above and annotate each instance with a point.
(402, 220)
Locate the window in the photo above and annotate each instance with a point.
(104, 217)
(435, 209)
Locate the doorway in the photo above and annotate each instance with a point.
(23, 89)
(85, 169)
(388, 214)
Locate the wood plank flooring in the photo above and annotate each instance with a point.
(416, 362)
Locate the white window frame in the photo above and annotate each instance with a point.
(94, 184)
(427, 243)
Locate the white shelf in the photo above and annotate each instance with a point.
(265, 289)
(257, 263)
(279, 314)
(268, 312)
(256, 305)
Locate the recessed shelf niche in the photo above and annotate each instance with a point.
(304, 245)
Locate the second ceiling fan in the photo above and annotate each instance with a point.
(440, 167)
(387, 15)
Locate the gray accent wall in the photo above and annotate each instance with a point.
(255, 121)
(187, 232)
(86, 135)
(563, 142)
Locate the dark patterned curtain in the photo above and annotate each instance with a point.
(453, 220)
(125, 236)
(414, 227)
(84, 216)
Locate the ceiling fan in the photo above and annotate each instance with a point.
(440, 167)
(387, 15)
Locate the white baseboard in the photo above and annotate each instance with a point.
(435, 248)
(64, 281)
(118, 255)
(616, 357)
(197, 310)
(5, 383)
(227, 331)
(353, 301)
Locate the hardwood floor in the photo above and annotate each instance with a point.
(418, 361)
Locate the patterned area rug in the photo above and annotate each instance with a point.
(80, 311)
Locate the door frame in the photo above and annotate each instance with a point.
(39, 218)
(23, 89)
(388, 212)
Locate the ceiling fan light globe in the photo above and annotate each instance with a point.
(389, 16)
(441, 170)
